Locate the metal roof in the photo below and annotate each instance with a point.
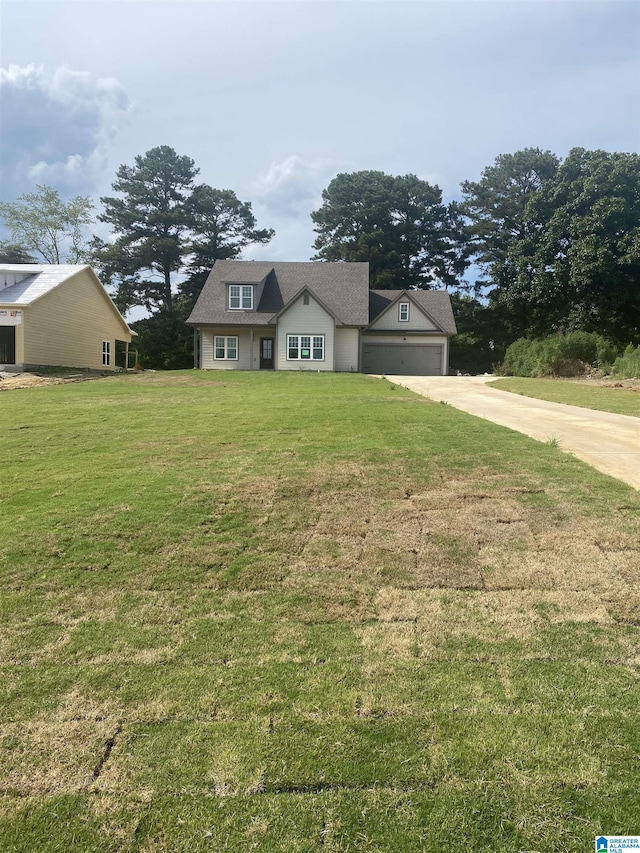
(22, 284)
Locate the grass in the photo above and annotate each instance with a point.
(292, 612)
(621, 401)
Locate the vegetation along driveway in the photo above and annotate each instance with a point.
(608, 442)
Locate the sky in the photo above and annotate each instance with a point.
(272, 99)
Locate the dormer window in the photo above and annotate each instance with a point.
(403, 314)
(241, 296)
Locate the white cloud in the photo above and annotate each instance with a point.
(293, 188)
(57, 127)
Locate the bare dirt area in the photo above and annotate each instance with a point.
(607, 382)
(15, 381)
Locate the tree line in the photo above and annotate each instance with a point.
(554, 246)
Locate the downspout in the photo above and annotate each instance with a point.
(250, 349)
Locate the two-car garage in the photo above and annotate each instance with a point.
(403, 359)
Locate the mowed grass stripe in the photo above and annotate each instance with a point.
(612, 397)
(307, 612)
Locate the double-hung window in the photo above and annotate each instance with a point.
(241, 296)
(403, 312)
(305, 347)
(225, 348)
(106, 353)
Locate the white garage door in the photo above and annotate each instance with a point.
(402, 359)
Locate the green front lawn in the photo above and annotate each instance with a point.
(622, 401)
(306, 612)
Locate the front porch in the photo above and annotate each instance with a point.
(235, 348)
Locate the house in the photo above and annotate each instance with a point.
(59, 315)
(317, 316)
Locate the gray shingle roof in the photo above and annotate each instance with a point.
(435, 303)
(342, 287)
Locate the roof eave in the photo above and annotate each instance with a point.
(307, 289)
(405, 295)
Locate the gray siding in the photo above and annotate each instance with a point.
(207, 360)
(247, 360)
(347, 343)
(389, 320)
(301, 319)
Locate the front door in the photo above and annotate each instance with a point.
(7, 344)
(266, 353)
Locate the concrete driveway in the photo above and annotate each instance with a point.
(608, 442)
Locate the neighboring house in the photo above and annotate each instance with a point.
(317, 316)
(58, 315)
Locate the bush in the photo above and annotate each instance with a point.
(521, 358)
(627, 366)
(560, 355)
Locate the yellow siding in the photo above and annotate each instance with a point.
(68, 325)
(301, 319)
(20, 341)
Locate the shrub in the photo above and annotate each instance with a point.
(627, 366)
(558, 355)
(521, 358)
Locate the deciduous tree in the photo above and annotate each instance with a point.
(579, 265)
(41, 222)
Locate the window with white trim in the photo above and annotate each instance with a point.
(403, 312)
(305, 347)
(106, 353)
(225, 349)
(241, 296)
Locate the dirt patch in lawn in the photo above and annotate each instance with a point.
(337, 544)
(62, 753)
(16, 381)
(606, 382)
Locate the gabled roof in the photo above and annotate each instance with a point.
(23, 284)
(342, 288)
(436, 304)
(294, 299)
